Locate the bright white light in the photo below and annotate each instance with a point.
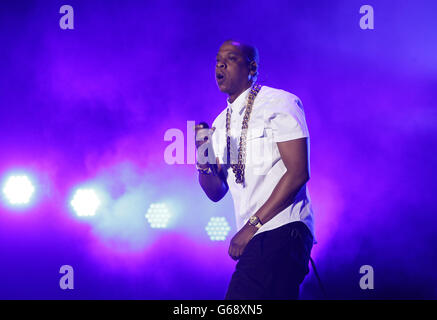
(217, 228)
(18, 190)
(158, 215)
(85, 202)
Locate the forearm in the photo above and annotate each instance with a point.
(213, 185)
(283, 195)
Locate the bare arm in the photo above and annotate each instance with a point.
(294, 154)
(214, 185)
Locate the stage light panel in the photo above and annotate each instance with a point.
(217, 228)
(85, 202)
(18, 190)
(158, 215)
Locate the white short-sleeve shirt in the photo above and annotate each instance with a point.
(277, 116)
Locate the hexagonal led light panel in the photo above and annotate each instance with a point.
(85, 202)
(18, 190)
(158, 215)
(217, 228)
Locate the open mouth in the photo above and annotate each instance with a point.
(220, 77)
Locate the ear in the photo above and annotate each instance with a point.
(253, 69)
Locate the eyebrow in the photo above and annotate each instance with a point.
(229, 52)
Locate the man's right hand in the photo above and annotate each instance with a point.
(202, 136)
(213, 185)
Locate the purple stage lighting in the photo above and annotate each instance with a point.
(218, 228)
(18, 190)
(85, 202)
(158, 215)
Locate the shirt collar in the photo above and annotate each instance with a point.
(240, 102)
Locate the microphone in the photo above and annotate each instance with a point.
(202, 131)
(203, 135)
(202, 125)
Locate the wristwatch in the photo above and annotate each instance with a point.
(255, 221)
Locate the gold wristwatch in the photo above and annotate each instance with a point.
(255, 221)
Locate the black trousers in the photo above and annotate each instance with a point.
(273, 264)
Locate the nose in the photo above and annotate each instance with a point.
(220, 65)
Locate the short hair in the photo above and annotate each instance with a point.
(251, 53)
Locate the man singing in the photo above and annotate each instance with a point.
(261, 144)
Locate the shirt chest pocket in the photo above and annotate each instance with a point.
(255, 142)
(255, 133)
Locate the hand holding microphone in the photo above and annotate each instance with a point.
(205, 161)
(202, 133)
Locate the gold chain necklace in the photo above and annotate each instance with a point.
(238, 168)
